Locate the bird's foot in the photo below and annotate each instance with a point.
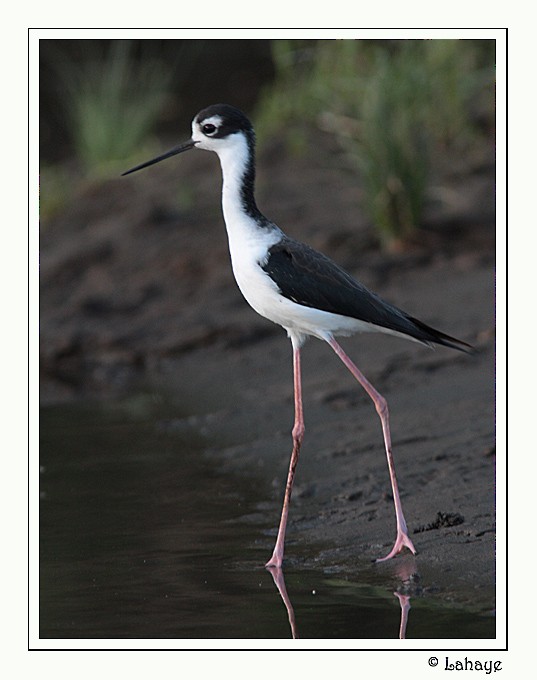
(402, 541)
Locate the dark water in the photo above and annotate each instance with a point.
(142, 537)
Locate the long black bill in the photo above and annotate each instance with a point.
(172, 152)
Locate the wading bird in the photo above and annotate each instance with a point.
(297, 287)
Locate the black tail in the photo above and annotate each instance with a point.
(431, 335)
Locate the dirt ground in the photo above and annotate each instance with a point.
(137, 289)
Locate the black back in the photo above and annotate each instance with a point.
(309, 278)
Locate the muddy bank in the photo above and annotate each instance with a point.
(137, 293)
(442, 417)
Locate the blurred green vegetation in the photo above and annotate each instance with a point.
(113, 99)
(394, 107)
(112, 96)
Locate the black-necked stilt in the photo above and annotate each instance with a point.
(296, 287)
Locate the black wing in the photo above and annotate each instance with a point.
(311, 279)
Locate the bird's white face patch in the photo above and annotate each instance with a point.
(204, 130)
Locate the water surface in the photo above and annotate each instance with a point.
(141, 536)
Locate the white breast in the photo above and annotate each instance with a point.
(248, 255)
(249, 244)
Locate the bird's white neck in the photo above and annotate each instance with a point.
(241, 213)
(250, 234)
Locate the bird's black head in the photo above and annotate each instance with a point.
(221, 120)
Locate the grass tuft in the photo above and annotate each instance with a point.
(394, 107)
(113, 99)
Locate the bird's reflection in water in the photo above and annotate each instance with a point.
(406, 572)
(279, 581)
(404, 602)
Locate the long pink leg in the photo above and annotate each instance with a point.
(402, 538)
(298, 436)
